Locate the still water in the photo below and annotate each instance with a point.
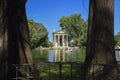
(117, 54)
(59, 55)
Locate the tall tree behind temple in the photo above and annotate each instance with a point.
(76, 27)
(100, 40)
(14, 38)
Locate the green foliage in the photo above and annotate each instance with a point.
(76, 27)
(51, 71)
(38, 34)
(50, 44)
(117, 39)
(40, 55)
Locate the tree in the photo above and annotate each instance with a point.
(14, 39)
(117, 39)
(100, 41)
(38, 34)
(76, 27)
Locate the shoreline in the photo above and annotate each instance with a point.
(51, 48)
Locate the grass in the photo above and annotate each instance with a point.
(51, 71)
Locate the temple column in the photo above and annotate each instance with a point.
(58, 41)
(54, 41)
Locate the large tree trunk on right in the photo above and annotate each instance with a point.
(100, 42)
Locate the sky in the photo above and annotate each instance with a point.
(48, 12)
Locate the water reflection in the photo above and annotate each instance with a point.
(117, 53)
(40, 55)
(60, 55)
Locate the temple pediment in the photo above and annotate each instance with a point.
(60, 32)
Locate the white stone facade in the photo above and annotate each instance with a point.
(60, 39)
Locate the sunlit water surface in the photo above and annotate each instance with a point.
(62, 55)
(59, 55)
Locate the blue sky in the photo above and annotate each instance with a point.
(48, 12)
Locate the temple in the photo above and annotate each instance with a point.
(60, 39)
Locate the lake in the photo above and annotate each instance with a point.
(61, 55)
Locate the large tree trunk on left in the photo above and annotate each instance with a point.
(100, 42)
(14, 39)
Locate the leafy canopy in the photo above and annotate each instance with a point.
(76, 26)
(117, 39)
(38, 34)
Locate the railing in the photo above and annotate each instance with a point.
(27, 73)
(67, 71)
(74, 71)
(60, 71)
(52, 71)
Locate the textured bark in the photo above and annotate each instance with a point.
(14, 39)
(100, 42)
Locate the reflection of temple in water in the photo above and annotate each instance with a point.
(60, 39)
(60, 55)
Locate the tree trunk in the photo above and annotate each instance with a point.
(14, 39)
(100, 42)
